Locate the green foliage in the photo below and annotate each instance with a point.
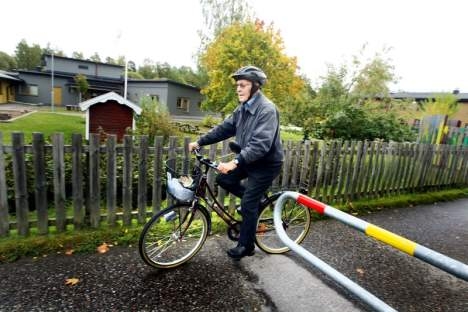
(95, 57)
(82, 84)
(78, 55)
(7, 62)
(183, 74)
(28, 57)
(210, 121)
(354, 123)
(243, 44)
(441, 104)
(154, 119)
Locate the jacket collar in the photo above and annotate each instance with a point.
(253, 103)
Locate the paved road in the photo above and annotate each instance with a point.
(119, 281)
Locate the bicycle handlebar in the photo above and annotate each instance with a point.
(205, 161)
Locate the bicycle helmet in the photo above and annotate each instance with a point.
(177, 190)
(250, 73)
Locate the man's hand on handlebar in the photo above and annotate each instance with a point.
(227, 167)
(193, 146)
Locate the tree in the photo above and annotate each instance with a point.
(82, 84)
(28, 57)
(95, 57)
(78, 55)
(441, 104)
(148, 69)
(243, 44)
(219, 14)
(7, 62)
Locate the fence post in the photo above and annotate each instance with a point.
(59, 181)
(127, 180)
(313, 166)
(40, 189)
(77, 181)
(4, 222)
(111, 183)
(157, 189)
(142, 178)
(94, 185)
(21, 190)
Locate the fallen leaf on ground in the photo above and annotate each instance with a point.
(71, 281)
(360, 271)
(69, 252)
(103, 248)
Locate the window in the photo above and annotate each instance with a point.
(29, 90)
(183, 104)
(82, 66)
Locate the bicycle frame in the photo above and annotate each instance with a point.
(202, 194)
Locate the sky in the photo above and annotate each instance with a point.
(426, 39)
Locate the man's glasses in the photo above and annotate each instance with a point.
(242, 85)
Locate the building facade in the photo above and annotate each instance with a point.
(54, 84)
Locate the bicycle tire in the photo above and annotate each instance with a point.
(296, 222)
(161, 244)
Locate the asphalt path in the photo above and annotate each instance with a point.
(119, 281)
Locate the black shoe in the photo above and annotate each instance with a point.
(240, 251)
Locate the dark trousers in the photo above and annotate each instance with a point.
(259, 180)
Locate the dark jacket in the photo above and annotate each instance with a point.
(256, 131)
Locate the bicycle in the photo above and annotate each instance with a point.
(176, 234)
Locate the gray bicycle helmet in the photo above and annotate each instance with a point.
(250, 73)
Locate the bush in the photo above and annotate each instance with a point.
(353, 123)
(154, 120)
(210, 121)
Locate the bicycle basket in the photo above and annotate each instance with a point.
(181, 186)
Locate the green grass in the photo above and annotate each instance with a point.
(45, 122)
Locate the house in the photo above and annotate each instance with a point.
(8, 82)
(35, 86)
(461, 114)
(109, 113)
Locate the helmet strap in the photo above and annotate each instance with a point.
(255, 88)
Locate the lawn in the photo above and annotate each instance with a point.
(46, 122)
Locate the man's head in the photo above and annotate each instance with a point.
(248, 80)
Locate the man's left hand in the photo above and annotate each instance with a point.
(224, 168)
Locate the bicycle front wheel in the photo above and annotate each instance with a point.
(296, 221)
(173, 236)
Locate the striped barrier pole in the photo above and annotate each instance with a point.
(425, 254)
(363, 294)
(439, 260)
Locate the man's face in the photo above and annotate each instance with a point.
(243, 88)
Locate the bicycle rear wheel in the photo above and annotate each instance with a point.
(296, 222)
(173, 236)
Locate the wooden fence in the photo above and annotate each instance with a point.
(77, 185)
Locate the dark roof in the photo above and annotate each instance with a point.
(9, 76)
(462, 97)
(80, 60)
(164, 80)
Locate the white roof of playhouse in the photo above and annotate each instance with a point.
(110, 96)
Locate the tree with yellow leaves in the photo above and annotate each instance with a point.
(248, 43)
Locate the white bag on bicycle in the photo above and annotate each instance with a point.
(177, 190)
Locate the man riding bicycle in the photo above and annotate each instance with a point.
(255, 126)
